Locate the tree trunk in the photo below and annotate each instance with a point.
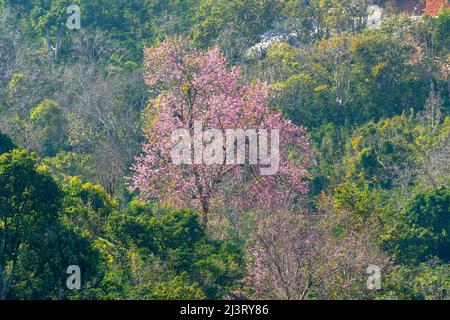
(205, 211)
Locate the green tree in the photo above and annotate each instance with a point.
(6, 143)
(441, 32)
(421, 230)
(318, 19)
(87, 207)
(180, 243)
(234, 24)
(49, 121)
(35, 247)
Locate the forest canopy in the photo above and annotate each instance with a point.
(87, 177)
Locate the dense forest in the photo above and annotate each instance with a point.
(86, 180)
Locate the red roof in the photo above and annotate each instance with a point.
(433, 6)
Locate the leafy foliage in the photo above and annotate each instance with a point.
(422, 229)
(368, 107)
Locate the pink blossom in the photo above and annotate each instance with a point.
(189, 86)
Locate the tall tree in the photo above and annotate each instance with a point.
(35, 247)
(198, 87)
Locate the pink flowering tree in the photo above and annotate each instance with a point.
(296, 256)
(195, 91)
